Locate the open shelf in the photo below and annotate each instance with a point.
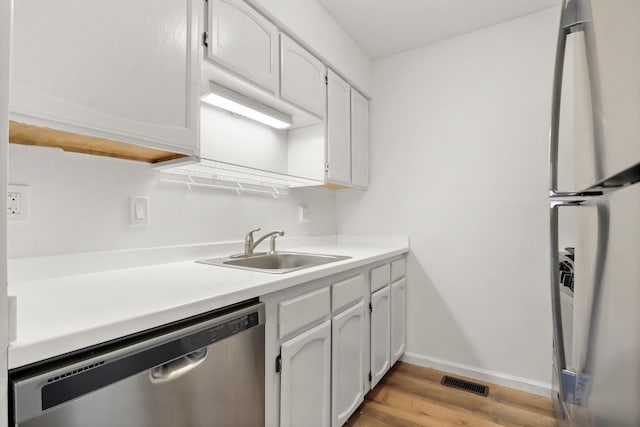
(205, 173)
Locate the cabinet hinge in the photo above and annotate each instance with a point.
(205, 39)
(326, 167)
(370, 311)
(279, 363)
(370, 377)
(326, 80)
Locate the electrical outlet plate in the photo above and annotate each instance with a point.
(17, 202)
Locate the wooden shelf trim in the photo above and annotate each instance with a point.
(20, 133)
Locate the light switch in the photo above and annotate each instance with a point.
(303, 214)
(139, 211)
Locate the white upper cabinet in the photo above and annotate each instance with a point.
(359, 140)
(305, 391)
(338, 130)
(244, 41)
(348, 337)
(302, 78)
(118, 70)
(398, 319)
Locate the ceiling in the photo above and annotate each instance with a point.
(385, 27)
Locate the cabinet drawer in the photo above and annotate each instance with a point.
(380, 277)
(398, 269)
(347, 292)
(304, 310)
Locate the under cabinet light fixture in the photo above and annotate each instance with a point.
(230, 100)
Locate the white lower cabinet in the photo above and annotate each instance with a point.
(332, 340)
(380, 334)
(305, 382)
(398, 319)
(348, 350)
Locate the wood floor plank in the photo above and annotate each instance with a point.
(410, 395)
(378, 415)
(513, 397)
(424, 408)
(446, 396)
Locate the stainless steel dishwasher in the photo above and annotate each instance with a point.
(201, 372)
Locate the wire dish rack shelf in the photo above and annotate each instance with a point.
(197, 172)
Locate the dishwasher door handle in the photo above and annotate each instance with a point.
(176, 368)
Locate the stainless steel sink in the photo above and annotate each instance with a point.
(280, 262)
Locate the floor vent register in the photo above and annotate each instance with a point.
(464, 385)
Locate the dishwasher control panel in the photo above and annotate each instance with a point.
(233, 327)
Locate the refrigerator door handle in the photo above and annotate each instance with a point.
(570, 18)
(567, 381)
(575, 386)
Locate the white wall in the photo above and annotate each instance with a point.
(459, 163)
(311, 23)
(241, 141)
(79, 203)
(5, 38)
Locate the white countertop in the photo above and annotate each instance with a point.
(64, 313)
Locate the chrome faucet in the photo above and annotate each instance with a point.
(250, 244)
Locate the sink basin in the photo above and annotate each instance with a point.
(280, 262)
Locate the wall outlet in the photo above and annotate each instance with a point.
(17, 202)
(139, 208)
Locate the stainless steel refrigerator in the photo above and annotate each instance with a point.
(597, 362)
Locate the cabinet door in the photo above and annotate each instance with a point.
(338, 129)
(359, 140)
(244, 41)
(347, 371)
(302, 78)
(380, 334)
(119, 70)
(398, 319)
(305, 390)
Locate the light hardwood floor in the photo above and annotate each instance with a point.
(410, 395)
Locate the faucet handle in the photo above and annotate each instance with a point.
(248, 242)
(249, 236)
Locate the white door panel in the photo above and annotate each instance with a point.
(359, 140)
(338, 129)
(305, 381)
(302, 77)
(121, 70)
(398, 319)
(244, 41)
(347, 369)
(380, 334)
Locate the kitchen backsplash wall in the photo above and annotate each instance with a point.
(459, 162)
(80, 203)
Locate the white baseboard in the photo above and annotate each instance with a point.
(493, 377)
